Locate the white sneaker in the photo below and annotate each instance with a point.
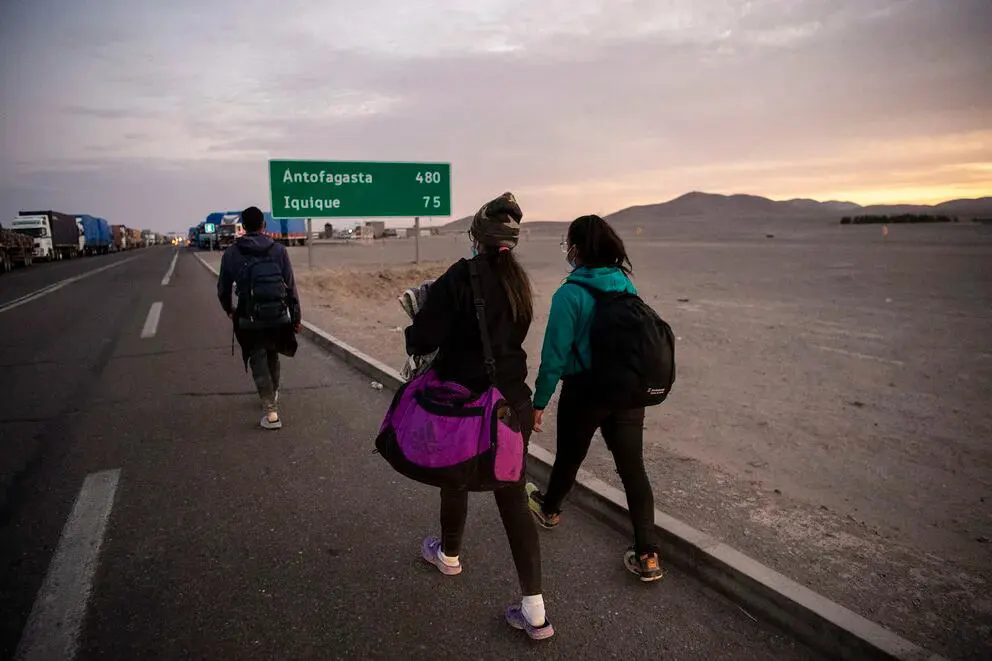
(271, 421)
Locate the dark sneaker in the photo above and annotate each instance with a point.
(515, 618)
(535, 500)
(646, 565)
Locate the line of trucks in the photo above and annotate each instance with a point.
(54, 236)
(220, 229)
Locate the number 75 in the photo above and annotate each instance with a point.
(436, 200)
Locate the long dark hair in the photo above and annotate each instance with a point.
(598, 244)
(513, 278)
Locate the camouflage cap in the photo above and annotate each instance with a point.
(497, 223)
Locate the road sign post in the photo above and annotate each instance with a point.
(416, 239)
(310, 243)
(359, 189)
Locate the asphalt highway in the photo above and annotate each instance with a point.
(145, 515)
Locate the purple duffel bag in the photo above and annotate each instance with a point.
(440, 433)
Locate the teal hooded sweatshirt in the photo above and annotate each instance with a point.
(567, 333)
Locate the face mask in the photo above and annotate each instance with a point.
(475, 249)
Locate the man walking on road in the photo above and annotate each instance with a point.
(267, 316)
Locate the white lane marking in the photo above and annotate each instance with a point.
(204, 262)
(53, 627)
(44, 291)
(172, 268)
(151, 321)
(863, 356)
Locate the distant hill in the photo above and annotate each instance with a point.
(710, 205)
(460, 225)
(963, 209)
(533, 226)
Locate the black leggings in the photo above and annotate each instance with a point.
(578, 418)
(517, 521)
(521, 532)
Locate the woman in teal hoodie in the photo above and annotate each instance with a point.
(597, 257)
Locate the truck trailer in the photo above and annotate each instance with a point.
(55, 234)
(15, 248)
(96, 234)
(288, 231)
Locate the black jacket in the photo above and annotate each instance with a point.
(447, 322)
(281, 338)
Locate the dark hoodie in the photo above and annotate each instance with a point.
(281, 339)
(447, 323)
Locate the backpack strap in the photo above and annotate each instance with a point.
(480, 315)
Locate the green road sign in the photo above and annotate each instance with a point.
(359, 189)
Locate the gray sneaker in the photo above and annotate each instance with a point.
(271, 421)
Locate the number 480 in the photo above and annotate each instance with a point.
(428, 177)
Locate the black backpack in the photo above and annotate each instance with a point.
(633, 352)
(262, 291)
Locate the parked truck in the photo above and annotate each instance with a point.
(207, 237)
(149, 238)
(229, 230)
(288, 231)
(55, 234)
(81, 241)
(118, 235)
(133, 238)
(15, 248)
(97, 238)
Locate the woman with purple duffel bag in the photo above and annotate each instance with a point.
(463, 424)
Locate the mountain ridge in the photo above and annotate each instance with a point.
(743, 205)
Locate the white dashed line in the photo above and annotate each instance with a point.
(44, 291)
(53, 627)
(151, 321)
(172, 268)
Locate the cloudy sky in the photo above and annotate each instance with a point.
(153, 113)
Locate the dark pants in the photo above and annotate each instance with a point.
(521, 531)
(265, 372)
(578, 419)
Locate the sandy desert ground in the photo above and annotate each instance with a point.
(832, 412)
